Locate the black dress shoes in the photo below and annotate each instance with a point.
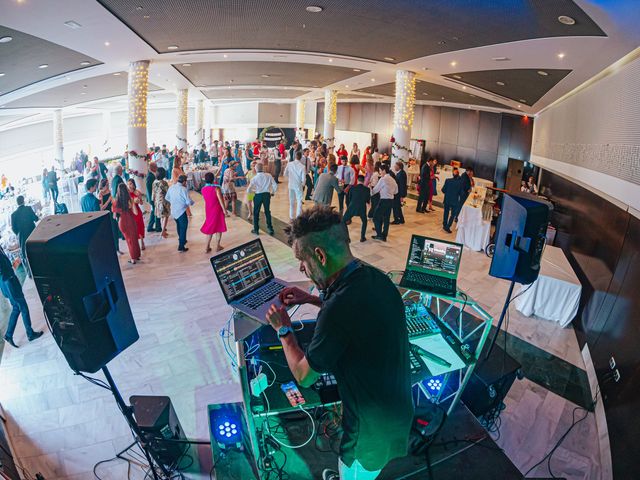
(378, 237)
(10, 341)
(35, 336)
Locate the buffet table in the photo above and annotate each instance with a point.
(555, 295)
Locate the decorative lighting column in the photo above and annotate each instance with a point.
(58, 146)
(199, 136)
(138, 88)
(403, 115)
(183, 106)
(330, 114)
(300, 107)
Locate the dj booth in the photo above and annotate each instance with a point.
(275, 433)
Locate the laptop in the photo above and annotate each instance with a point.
(247, 280)
(432, 266)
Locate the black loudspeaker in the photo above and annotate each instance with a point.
(491, 381)
(520, 238)
(159, 425)
(77, 274)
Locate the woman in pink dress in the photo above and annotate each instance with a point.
(136, 200)
(214, 222)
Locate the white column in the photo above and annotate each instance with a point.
(183, 106)
(207, 125)
(106, 134)
(330, 114)
(199, 133)
(300, 112)
(403, 115)
(138, 88)
(58, 144)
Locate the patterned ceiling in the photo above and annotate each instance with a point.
(374, 29)
(21, 58)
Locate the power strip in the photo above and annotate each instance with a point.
(259, 384)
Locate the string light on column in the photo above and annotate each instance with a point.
(403, 112)
(138, 87)
(300, 112)
(331, 104)
(183, 104)
(57, 117)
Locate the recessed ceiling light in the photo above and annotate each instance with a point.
(44, 65)
(225, 55)
(67, 78)
(2, 74)
(172, 47)
(523, 101)
(373, 79)
(314, 9)
(186, 64)
(519, 106)
(346, 86)
(472, 95)
(458, 77)
(84, 64)
(425, 68)
(389, 59)
(5, 39)
(442, 98)
(566, 20)
(500, 83)
(543, 73)
(264, 75)
(83, 93)
(72, 24)
(356, 70)
(145, 16)
(453, 64)
(139, 7)
(561, 55)
(331, 59)
(117, 74)
(464, 88)
(500, 59)
(425, 93)
(106, 44)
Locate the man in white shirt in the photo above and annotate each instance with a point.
(375, 155)
(296, 174)
(387, 188)
(178, 197)
(264, 187)
(345, 176)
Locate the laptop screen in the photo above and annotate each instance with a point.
(242, 270)
(437, 257)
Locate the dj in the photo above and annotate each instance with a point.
(365, 345)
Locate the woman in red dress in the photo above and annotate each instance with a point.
(137, 201)
(123, 206)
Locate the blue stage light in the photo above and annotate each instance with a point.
(434, 384)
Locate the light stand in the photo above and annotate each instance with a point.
(127, 411)
(505, 308)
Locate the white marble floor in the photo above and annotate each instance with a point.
(61, 425)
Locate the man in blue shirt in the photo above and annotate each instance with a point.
(11, 288)
(178, 197)
(89, 202)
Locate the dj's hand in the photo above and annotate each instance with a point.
(278, 317)
(296, 296)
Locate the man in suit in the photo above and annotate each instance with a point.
(116, 180)
(23, 222)
(425, 187)
(326, 184)
(453, 189)
(307, 162)
(401, 180)
(358, 200)
(11, 288)
(52, 180)
(154, 221)
(202, 154)
(467, 187)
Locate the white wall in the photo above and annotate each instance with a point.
(593, 136)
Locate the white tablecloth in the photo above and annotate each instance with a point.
(473, 231)
(555, 295)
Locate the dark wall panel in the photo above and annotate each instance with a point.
(449, 124)
(489, 132)
(468, 128)
(485, 164)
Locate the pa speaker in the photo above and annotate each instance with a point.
(520, 238)
(160, 427)
(77, 275)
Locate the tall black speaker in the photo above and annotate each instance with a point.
(520, 238)
(77, 274)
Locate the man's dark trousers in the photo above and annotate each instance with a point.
(182, 223)
(259, 200)
(423, 198)
(450, 211)
(363, 216)
(398, 216)
(154, 222)
(13, 291)
(309, 184)
(381, 217)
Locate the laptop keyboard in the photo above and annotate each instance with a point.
(427, 280)
(263, 295)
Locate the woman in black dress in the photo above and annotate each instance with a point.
(106, 202)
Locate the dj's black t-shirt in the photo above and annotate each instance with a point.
(361, 337)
